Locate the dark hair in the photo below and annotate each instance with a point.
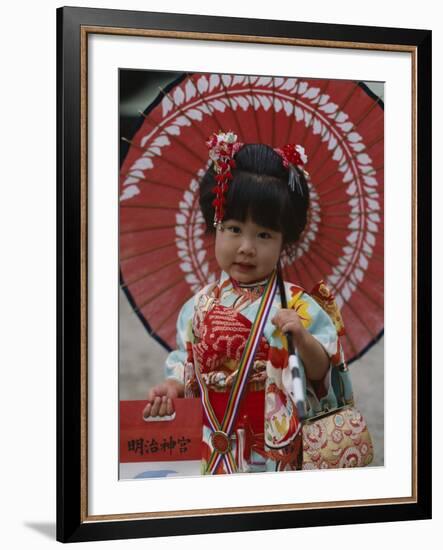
(262, 188)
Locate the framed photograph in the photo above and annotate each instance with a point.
(211, 317)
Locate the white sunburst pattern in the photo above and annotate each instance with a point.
(316, 111)
(297, 251)
(189, 229)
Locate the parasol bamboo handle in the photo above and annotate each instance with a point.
(297, 383)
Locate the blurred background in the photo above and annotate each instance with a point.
(141, 358)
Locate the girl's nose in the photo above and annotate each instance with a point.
(247, 247)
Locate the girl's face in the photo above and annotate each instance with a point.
(246, 251)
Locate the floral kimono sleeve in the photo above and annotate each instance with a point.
(317, 321)
(321, 326)
(175, 361)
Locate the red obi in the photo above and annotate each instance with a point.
(250, 417)
(251, 410)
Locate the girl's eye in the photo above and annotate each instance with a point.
(233, 228)
(264, 235)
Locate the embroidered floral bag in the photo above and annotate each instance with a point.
(337, 438)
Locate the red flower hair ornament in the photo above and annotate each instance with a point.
(222, 148)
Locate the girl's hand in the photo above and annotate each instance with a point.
(287, 320)
(313, 355)
(160, 398)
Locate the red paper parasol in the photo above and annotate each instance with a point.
(165, 256)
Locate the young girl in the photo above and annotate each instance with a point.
(250, 418)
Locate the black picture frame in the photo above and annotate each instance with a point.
(73, 522)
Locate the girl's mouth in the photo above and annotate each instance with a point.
(244, 267)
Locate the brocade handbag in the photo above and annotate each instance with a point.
(337, 439)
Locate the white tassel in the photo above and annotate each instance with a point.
(242, 464)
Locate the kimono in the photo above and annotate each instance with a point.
(212, 330)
